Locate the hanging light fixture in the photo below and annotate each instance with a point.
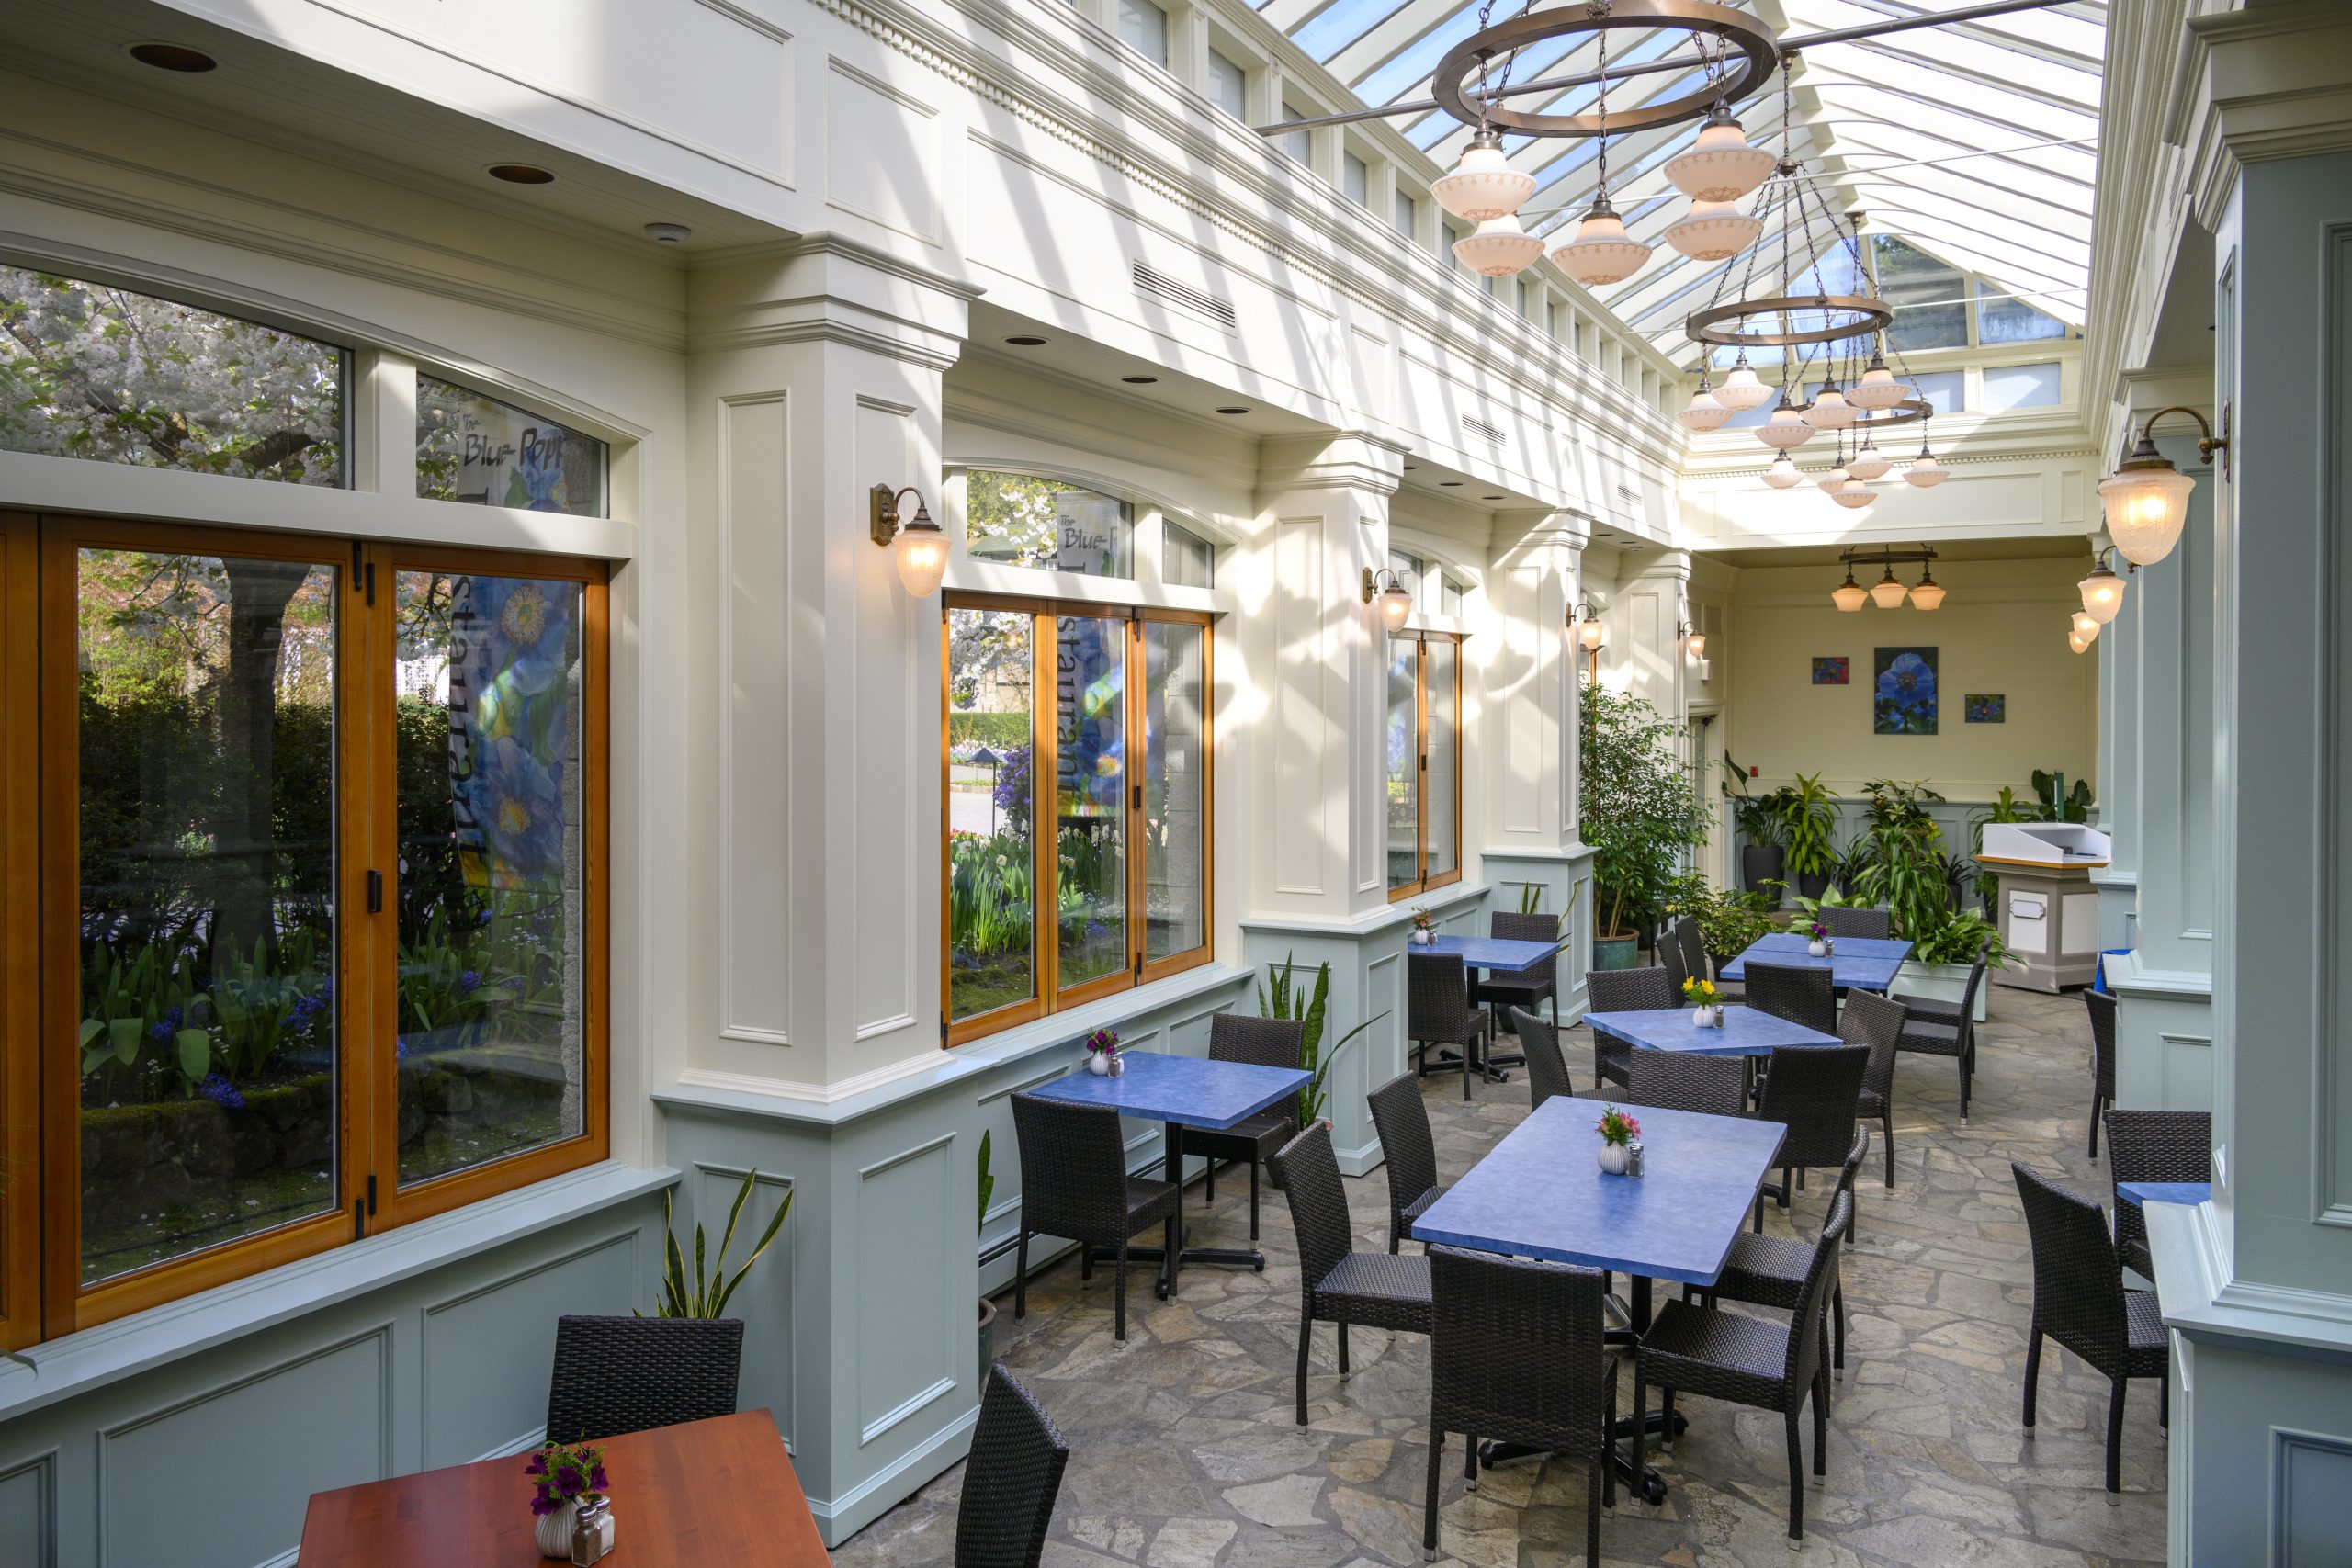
(1782, 474)
(1744, 390)
(1925, 471)
(1848, 595)
(1926, 593)
(2086, 626)
(1877, 389)
(1853, 495)
(1498, 248)
(2078, 642)
(1483, 185)
(1586, 622)
(1829, 410)
(2147, 498)
(1886, 592)
(1389, 590)
(1602, 252)
(1833, 479)
(1706, 411)
(1786, 429)
(2102, 590)
(1869, 462)
(1721, 166)
(1714, 231)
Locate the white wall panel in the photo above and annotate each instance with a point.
(889, 640)
(755, 924)
(1301, 732)
(882, 151)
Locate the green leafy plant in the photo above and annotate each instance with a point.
(1641, 811)
(1286, 999)
(1729, 920)
(988, 1182)
(1808, 822)
(1910, 875)
(1758, 817)
(1531, 902)
(2058, 803)
(1954, 937)
(1902, 805)
(707, 1296)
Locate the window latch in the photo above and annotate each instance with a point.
(375, 892)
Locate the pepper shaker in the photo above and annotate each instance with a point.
(1633, 1159)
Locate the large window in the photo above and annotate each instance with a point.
(317, 911)
(1077, 805)
(1423, 751)
(1019, 520)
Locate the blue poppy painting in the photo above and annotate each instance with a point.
(1903, 698)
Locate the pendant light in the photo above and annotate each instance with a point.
(1786, 428)
(1925, 471)
(2086, 626)
(2077, 641)
(1498, 248)
(1705, 412)
(1742, 389)
(1877, 389)
(1721, 166)
(1602, 252)
(1829, 410)
(1869, 463)
(1483, 184)
(1853, 494)
(1714, 231)
(1888, 593)
(1782, 474)
(1848, 595)
(2102, 590)
(1833, 479)
(1926, 593)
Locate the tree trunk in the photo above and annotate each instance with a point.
(244, 851)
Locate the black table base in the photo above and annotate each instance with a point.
(1172, 1170)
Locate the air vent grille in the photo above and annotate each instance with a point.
(1492, 435)
(1159, 285)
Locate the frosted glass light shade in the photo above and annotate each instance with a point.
(1721, 166)
(1830, 411)
(1877, 389)
(2102, 593)
(1704, 412)
(1716, 230)
(1782, 474)
(1926, 593)
(1395, 607)
(1926, 472)
(1887, 593)
(2146, 509)
(1482, 184)
(1786, 429)
(1698, 645)
(920, 552)
(1869, 463)
(2078, 642)
(1744, 390)
(1853, 495)
(1589, 636)
(1848, 595)
(1498, 248)
(1833, 479)
(2086, 626)
(1602, 252)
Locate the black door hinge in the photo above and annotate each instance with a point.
(370, 575)
(375, 892)
(1139, 968)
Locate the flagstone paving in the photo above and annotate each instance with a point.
(1184, 1453)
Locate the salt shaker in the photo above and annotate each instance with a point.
(1633, 1159)
(591, 1533)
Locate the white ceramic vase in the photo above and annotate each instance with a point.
(1097, 1063)
(1612, 1158)
(1818, 949)
(554, 1531)
(1702, 1018)
(1424, 937)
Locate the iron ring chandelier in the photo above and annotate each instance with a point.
(1759, 50)
(1867, 315)
(1910, 410)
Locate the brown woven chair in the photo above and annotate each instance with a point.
(1949, 1029)
(615, 1375)
(1793, 992)
(1264, 1043)
(1074, 1183)
(1672, 958)
(1010, 1480)
(1815, 1091)
(1337, 1283)
(1846, 919)
(2080, 1301)
(1547, 1068)
(1438, 1012)
(2153, 1146)
(1624, 991)
(1528, 988)
(1401, 1117)
(2102, 1011)
(1554, 1390)
(1745, 1360)
(1695, 958)
(1876, 1022)
(1685, 1081)
(1770, 1271)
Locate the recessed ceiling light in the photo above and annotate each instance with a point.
(1411, 467)
(668, 233)
(1450, 484)
(1025, 341)
(1230, 410)
(520, 174)
(173, 57)
(1490, 498)
(1139, 381)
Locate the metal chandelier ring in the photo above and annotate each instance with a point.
(1870, 315)
(1910, 410)
(1759, 50)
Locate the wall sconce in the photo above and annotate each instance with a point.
(1584, 621)
(2085, 628)
(2147, 498)
(2102, 590)
(1396, 602)
(1692, 639)
(916, 542)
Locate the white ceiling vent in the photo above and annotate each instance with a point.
(1151, 281)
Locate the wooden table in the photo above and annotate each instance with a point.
(708, 1491)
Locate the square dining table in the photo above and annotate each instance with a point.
(1497, 956)
(1855, 963)
(1181, 1092)
(1746, 1031)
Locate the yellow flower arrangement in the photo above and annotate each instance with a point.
(1702, 992)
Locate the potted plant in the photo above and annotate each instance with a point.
(1808, 816)
(1942, 952)
(1102, 1053)
(1763, 851)
(1640, 812)
(566, 1479)
(988, 1308)
(1288, 998)
(1819, 943)
(2007, 806)
(708, 1296)
(1729, 922)
(1617, 1131)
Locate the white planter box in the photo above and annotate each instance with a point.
(1938, 983)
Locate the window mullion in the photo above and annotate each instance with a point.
(1045, 772)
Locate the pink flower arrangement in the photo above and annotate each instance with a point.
(566, 1472)
(1616, 1127)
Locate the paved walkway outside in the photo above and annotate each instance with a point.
(1184, 1453)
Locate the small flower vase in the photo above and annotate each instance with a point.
(554, 1532)
(1097, 1063)
(1817, 948)
(1612, 1158)
(1424, 937)
(1702, 1018)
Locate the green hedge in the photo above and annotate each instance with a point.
(994, 730)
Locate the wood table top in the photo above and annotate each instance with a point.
(720, 1491)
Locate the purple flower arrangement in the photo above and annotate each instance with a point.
(1820, 931)
(566, 1472)
(1103, 1043)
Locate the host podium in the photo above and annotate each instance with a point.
(2048, 914)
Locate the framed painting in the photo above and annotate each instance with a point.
(1985, 707)
(1903, 694)
(1829, 671)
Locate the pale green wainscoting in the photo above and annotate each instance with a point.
(196, 1433)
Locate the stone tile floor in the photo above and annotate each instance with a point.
(1185, 1455)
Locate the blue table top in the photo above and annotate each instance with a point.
(1861, 963)
(1497, 953)
(1190, 1089)
(2164, 1192)
(1747, 1032)
(1541, 1193)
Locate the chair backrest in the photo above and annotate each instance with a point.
(1073, 1169)
(1672, 959)
(1547, 1069)
(1631, 990)
(2154, 1146)
(1009, 1482)
(1684, 1081)
(1694, 948)
(2077, 1283)
(1975, 978)
(1850, 921)
(2102, 1011)
(1509, 925)
(1261, 1042)
(1319, 1205)
(1437, 998)
(613, 1375)
(1812, 1299)
(1409, 1149)
(1798, 994)
(1816, 1100)
(1515, 1350)
(1876, 1022)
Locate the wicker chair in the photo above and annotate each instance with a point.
(1264, 1043)
(1948, 1029)
(1876, 1022)
(1074, 1183)
(1009, 1481)
(1624, 991)
(1555, 1389)
(2102, 1011)
(1850, 921)
(2080, 1301)
(1673, 959)
(2153, 1146)
(1685, 1081)
(1547, 1068)
(1337, 1283)
(1815, 1091)
(1695, 960)
(1703, 1350)
(1770, 1271)
(615, 1375)
(1793, 992)
(1401, 1117)
(1528, 988)
(1438, 1012)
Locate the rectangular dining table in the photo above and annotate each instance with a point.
(2165, 1191)
(1746, 1031)
(1855, 963)
(1497, 956)
(705, 1491)
(1181, 1092)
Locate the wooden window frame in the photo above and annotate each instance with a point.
(1422, 881)
(41, 929)
(1047, 996)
